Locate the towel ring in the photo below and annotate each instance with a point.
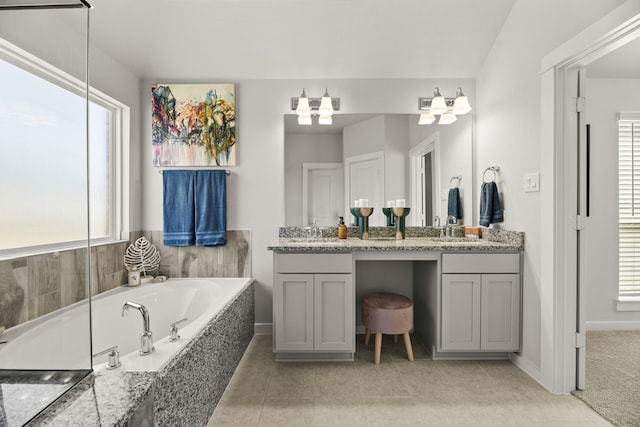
(493, 169)
(456, 178)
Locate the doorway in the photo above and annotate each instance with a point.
(560, 264)
(424, 160)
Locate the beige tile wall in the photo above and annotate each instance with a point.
(33, 286)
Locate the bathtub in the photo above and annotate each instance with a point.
(198, 299)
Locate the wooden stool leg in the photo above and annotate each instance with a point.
(395, 339)
(407, 345)
(367, 335)
(376, 358)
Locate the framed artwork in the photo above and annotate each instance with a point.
(193, 124)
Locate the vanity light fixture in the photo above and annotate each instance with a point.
(323, 107)
(447, 108)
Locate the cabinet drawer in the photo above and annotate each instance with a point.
(481, 263)
(313, 263)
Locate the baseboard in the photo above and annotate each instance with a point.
(263, 328)
(528, 368)
(613, 325)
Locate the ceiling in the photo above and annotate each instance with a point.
(298, 39)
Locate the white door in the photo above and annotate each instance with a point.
(322, 193)
(333, 312)
(582, 214)
(293, 312)
(500, 312)
(460, 312)
(364, 179)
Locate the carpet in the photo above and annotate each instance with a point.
(613, 376)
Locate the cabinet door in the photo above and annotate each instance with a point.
(293, 312)
(500, 307)
(334, 320)
(460, 312)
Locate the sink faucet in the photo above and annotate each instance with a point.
(448, 226)
(146, 341)
(315, 230)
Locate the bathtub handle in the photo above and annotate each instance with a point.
(113, 360)
(173, 334)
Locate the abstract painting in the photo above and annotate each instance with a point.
(194, 124)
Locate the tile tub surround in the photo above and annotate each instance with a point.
(185, 393)
(231, 260)
(33, 286)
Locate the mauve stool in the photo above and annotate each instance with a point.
(387, 313)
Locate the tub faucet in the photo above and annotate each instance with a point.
(146, 341)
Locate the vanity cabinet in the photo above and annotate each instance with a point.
(480, 302)
(313, 303)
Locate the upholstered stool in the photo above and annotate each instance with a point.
(387, 313)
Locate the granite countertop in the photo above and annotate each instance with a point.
(298, 239)
(460, 244)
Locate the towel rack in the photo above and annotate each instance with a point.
(227, 172)
(493, 169)
(455, 178)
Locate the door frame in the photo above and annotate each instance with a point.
(558, 263)
(430, 144)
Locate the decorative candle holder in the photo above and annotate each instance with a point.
(400, 214)
(388, 212)
(363, 215)
(355, 215)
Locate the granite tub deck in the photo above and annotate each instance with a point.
(184, 393)
(294, 239)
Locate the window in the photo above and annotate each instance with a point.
(629, 203)
(43, 166)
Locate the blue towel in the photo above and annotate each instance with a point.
(211, 207)
(490, 211)
(453, 206)
(178, 207)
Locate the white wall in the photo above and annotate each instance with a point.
(255, 198)
(605, 98)
(396, 159)
(508, 134)
(299, 149)
(364, 137)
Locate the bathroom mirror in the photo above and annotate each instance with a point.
(379, 157)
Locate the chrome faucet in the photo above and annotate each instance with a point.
(146, 341)
(448, 226)
(316, 232)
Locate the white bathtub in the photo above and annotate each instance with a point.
(52, 341)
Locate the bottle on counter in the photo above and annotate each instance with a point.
(342, 229)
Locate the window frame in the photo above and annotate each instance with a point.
(119, 131)
(627, 295)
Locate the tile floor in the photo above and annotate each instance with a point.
(397, 392)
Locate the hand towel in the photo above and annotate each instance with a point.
(490, 212)
(211, 207)
(178, 207)
(453, 205)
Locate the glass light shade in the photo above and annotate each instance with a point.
(325, 119)
(426, 119)
(438, 105)
(447, 118)
(304, 119)
(325, 105)
(461, 105)
(303, 105)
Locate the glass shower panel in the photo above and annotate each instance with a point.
(44, 220)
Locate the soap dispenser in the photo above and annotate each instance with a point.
(342, 229)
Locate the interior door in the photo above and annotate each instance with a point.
(322, 185)
(581, 224)
(364, 179)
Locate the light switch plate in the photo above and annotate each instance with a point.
(532, 182)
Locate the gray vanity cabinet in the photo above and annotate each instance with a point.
(480, 307)
(313, 303)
